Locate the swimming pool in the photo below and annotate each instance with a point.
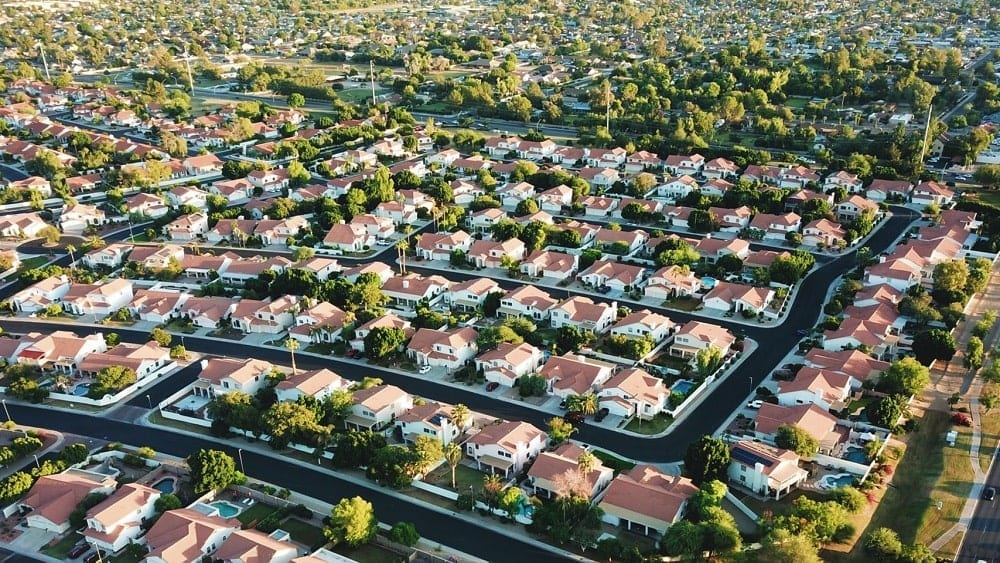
(857, 455)
(709, 282)
(81, 389)
(682, 386)
(226, 509)
(836, 481)
(166, 486)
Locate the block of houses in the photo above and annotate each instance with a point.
(759, 174)
(812, 419)
(59, 351)
(844, 179)
(505, 448)
(573, 374)
(318, 323)
(398, 212)
(644, 323)
(430, 419)
(616, 275)
(117, 520)
(219, 376)
(187, 227)
(186, 534)
(188, 195)
(97, 299)
(557, 266)
(552, 468)
(712, 249)
(766, 470)
(206, 312)
(470, 295)
(376, 407)
(316, 383)
(776, 227)
(696, 335)
(645, 500)
(672, 281)
(389, 320)
(409, 290)
(928, 192)
(253, 546)
(490, 254)
(826, 389)
(824, 233)
(439, 246)
(53, 498)
(143, 359)
(684, 164)
(348, 237)
(507, 363)
(738, 298)
(642, 161)
(599, 177)
(878, 336)
(37, 297)
(634, 392)
(584, 314)
(447, 348)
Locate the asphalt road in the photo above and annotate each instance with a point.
(982, 539)
(481, 540)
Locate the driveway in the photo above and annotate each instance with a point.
(31, 540)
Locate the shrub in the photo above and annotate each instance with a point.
(302, 511)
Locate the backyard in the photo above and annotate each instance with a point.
(465, 477)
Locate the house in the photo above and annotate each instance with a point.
(490, 254)
(430, 419)
(712, 249)
(97, 299)
(599, 177)
(527, 301)
(117, 520)
(844, 179)
(450, 349)
(37, 297)
(34, 183)
(409, 290)
(759, 174)
(322, 268)
(264, 317)
(550, 468)
(111, 256)
(888, 190)
(60, 351)
(633, 392)
(206, 266)
(696, 335)
(738, 298)
(641, 161)
(928, 192)
(716, 187)
(253, 546)
(398, 212)
(684, 164)
(273, 231)
(642, 324)
(348, 237)
(799, 198)
(554, 199)
(389, 320)
(557, 266)
(616, 275)
(573, 374)
(157, 306)
(766, 470)
(854, 207)
(319, 323)
(376, 407)
(826, 389)
(270, 181)
(77, 218)
(720, 168)
(505, 448)
(876, 335)
(651, 207)
(317, 383)
(646, 500)
(877, 294)
(439, 246)
(187, 227)
(810, 418)
(798, 177)
(605, 158)
(509, 362)
(731, 220)
(510, 195)
(186, 534)
(583, 313)
(586, 231)
(206, 312)
(470, 295)
(776, 227)
(597, 206)
(21, 225)
(677, 187)
(672, 281)
(824, 233)
(84, 183)
(233, 190)
(142, 359)
(224, 375)
(157, 257)
(620, 242)
(53, 498)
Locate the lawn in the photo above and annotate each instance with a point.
(255, 513)
(465, 477)
(61, 548)
(304, 533)
(34, 262)
(177, 325)
(355, 95)
(683, 304)
(655, 426)
(612, 461)
(368, 554)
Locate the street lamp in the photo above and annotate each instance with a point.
(37, 465)
(150, 401)
(239, 452)
(7, 412)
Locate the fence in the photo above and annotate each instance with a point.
(111, 399)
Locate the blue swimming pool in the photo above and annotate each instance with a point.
(682, 386)
(81, 389)
(165, 486)
(226, 509)
(857, 455)
(709, 282)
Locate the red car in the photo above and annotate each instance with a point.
(575, 417)
(962, 419)
(492, 385)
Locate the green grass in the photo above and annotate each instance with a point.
(368, 554)
(178, 325)
(255, 513)
(464, 478)
(60, 549)
(683, 304)
(355, 95)
(797, 102)
(33, 262)
(612, 461)
(655, 426)
(304, 533)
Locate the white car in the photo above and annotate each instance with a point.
(383, 242)
(755, 404)
(424, 369)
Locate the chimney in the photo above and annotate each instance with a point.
(406, 284)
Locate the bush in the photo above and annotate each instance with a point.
(133, 460)
(404, 533)
(302, 511)
(464, 502)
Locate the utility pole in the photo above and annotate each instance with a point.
(927, 131)
(41, 50)
(607, 107)
(187, 63)
(371, 66)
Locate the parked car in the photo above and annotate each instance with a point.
(755, 404)
(961, 419)
(93, 558)
(424, 369)
(574, 417)
(601, 414)
(78, 550)
(492, 386)
(989, 494)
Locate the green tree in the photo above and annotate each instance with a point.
(110, 380)
(934, 344)
(167, 502)
(951, 276)
(571, 338)
(559, 430)
(394, 466)
(357, 449)
(381, 342)
(973, 353)
(781, 546)
(706, 459)
(212, 470)
(707, 360)
(352, 522)
(74, 453)
(491, 337)
(887, 411)
(296, 100)
(429, 451)
(161, 337)
(792, 437)
(905, 376)
(404, 533)
(883, 544)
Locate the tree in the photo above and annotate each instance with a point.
(394, 466)
(161, 337)
(460, 415)
(849, 497)
(357, 449)
(491, 337)
(528, 386)
(973, 353)
(951, 276)
(380, 342)
(110, 380)
(429, 450)
(292, 345)
(167, 502)
(883, 544)
(352, 522)
(887, 411)
(296, 100)
(74, 453)
(781, 546)
(792, 437)
(526, 207)
(50, 234)
(706, 459)
(988, 175)
(570, 338)
(559, 430)
(212, 470)
(298, 176)
(586, 403)
(905, 376)
(453, 455)
(934, 344)
(404, 533)
(707, 360)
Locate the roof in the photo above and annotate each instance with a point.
(252, 546)
(239, 370)
(778, 463)
(638, 384)
(583, 309)
(812, 419)
(378, 397)
(311, 382)
(705, 332)
(55, 497)
(122, 504)
(510, 436)
(647, 491)
(551, 465)
(180, 535)
(572, 371)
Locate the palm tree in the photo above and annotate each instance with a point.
(586, 404)
(401, 247)
(453, 455)
(292, 345)
(492, 485)
(586, 462)
(72, 260)
(460, 415)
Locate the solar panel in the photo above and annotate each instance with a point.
(750, 458)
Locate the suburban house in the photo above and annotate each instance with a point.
(828, 390)
(58, 351)
(760, 174)
(450, 348)
(824, 233)
(509, 362)
(696, 335)
(482, 221)
(731, 220)
(224, 375)
(97, 299)
(720, 168)
(598, 206)
(554, 199)
(409, 290)
(76, 218)
(265, 317)
(843, 179)
(37, 297)
(644, 323)
(157, 258)
(53, 498)
(490, 254)
(633, 392)
(642, 160)
(609, 273)
(888, 190)
(187, 535)
(672, 281)
(376, 407)
(583, 313)
(712, 249)
(470, 295)
(613, 241)
(776, 227)
(350, 237)
(739, 298)
(684, 164)
(378, 227)
(573, 374)
(854, 207)
(389, 320)
(429, 419)
(118, 519)
(317, 383)
(766, 470)
(254, 546)
(111, 256)
(527, 301)
(931, 192)
(157, 306)
(557, 266)
(206, 312)
(439, 246)
(879, 336)
(646, 500)
(677, 187)
(318, 323)
(798, 177)
(187, 227)
(552, 467)
(147, 205)
(143, 359)
(810, 418)
(21, 225)
(854, 363)
(505, 448)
